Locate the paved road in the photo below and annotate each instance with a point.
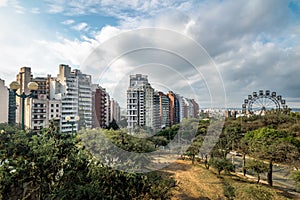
(280, 175)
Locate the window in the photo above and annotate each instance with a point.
(57, 105)
(52, 105)
(51, 110)
(57, 110)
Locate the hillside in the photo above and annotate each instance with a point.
(196, 182)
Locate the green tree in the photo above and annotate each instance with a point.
(221, 164)
(257, 166)
(273, 145)
(52, 165)
(295, 175)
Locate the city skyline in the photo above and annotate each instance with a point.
(254, 45)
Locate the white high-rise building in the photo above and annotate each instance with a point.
(3, 102)
(136, 101)
(149, 109)
(73, 89)
(84, 98)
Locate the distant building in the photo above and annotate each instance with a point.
(84, 99)
(156, 112)
(195, 108)
(164, 109)
(136, 115)
(23, 78)
(4, 102)
(39, 106)
(73, 89)
(100, 110)
(174, 113)
(12, 108)
(231, 113)
(149, 109)
(181, 107)
(115, 110)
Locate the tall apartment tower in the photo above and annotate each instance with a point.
(73, 89)
(196, 108)
(174, 112)
(4, 97)
(136, 101)
(181, 107)
(39, 107)
(164, 109)
(149, 115)
(99, 106)
(12, 108)
(23, 78)
(84, 99)
(156, 111)
(115, 110)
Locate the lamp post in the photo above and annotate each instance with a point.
(68, 119)
(32, 86)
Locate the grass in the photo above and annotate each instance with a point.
(196, 182)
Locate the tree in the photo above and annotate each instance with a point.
(257, 166)
(52, 165)
(295, 175)
(273, 145)
(113, 125)
(194, 148)
(221, 164)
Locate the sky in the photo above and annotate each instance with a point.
(216, 51)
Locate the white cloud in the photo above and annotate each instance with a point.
(3, 3)
(255, 44)
(68, 22)
(81, 27)
(35, 10)
(55, 8)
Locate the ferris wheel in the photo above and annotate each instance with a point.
(261, 102)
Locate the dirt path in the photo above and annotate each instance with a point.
(194, 182)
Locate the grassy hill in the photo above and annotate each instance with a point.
(196, 182)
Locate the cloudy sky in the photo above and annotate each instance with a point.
(203, 49)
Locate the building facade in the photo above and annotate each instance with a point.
(115, 111)
(84, 99)
(4, 102)
(164, 109)
(100, 110)
(23, 78)
(174, 112)
(136, 114)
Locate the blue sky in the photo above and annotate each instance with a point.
(254, 44)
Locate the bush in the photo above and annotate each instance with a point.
(256, 192)
(229, 191)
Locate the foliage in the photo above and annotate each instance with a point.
(271, 144)
(257, 166)
(229, 191)
(221, 164)
(254, 192)
(194, 148)
(295, 175)
(52, 165)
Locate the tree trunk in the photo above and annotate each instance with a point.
(270, 172)
(244, 164)
(206, 162)
(258, 178)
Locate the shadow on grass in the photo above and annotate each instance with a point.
(186, 197)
